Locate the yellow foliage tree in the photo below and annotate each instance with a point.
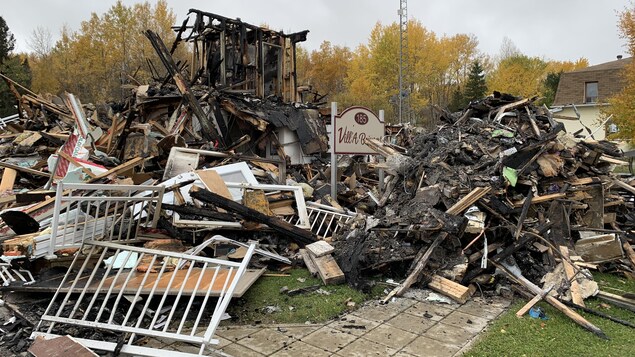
(623, 104)
(327, 71)
(108, 52)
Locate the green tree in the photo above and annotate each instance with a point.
(7, 41)
(476, 86)
(15, 67)
(551, 86)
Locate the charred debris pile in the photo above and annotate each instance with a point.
(499, 196)
(169, 195)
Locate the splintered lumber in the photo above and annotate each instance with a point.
(24, 169)
(449, 288)
(471, 198)
(509, 106)
(320, 248)
(630, 253)
(296, 234)
(327, 268)
(119, 169)
(541, 199)
(553, 301)
(207, 129)
(576, 296)
(617, 300)
(624, 186)
(308, 262)
(523, 310)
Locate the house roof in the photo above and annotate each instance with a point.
(617, 64)
(610, 81)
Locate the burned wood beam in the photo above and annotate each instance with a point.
(208, 131)
(298, 235)
(198, 212)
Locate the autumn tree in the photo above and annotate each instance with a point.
(108, 53)
(327, 70)
(622, 104)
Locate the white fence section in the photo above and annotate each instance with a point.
(102, 212)
(324, 220)
(112, 300)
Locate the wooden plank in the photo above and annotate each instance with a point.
(24, 169)
(118, 169)
(329, 271)
(576, 296)
(617, 300)
(474, 195)
(449, 288)
(8, 180)
(308, 262)
(523, 310)
(320, 248)
(624, 186)
(213, 182)
(630, 253)
(245, 282)
(62, 346)
(76, 163)
(540, 199)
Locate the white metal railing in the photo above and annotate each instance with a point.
(101, 212)
(91, 299)
(324, 220)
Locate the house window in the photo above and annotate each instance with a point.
(590, 92)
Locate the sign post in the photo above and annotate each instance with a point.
(333, 154)
(349, 132)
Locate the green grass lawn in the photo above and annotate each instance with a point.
(559, 336)
(317, 306)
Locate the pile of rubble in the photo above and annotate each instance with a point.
(499, 193)
(145, 218)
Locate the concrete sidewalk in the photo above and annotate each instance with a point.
(409, 326)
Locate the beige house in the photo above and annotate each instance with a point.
(586, 91)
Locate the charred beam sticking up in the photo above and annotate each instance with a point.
(210, 130)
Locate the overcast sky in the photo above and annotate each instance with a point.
(554, 29)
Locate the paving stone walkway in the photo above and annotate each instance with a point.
(409, 326)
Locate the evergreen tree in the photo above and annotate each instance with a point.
(7, 41)
(476, 87)
(551, 86)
